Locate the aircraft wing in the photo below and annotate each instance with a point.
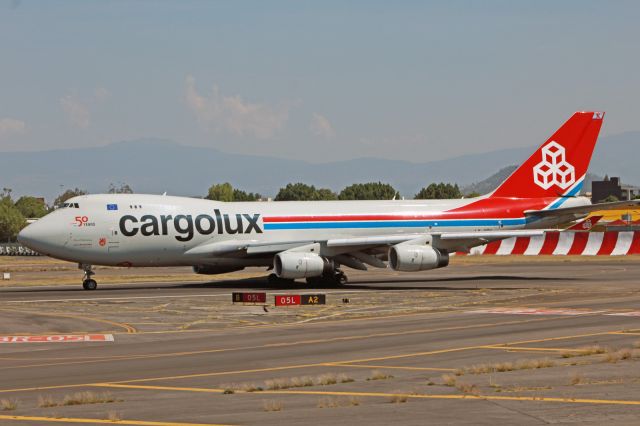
(583, 210)
(361, 248)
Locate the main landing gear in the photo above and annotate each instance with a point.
(88, 283)
(335, 278)
(273, 279)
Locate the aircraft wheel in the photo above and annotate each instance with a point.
(89, 284)
(273, 279)
(314, 281)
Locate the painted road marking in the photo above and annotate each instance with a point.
(287, 367)
(58, 338)
(284, 344)
(626, 314)
(100, 421)
(534, 311)
(387, 395)
(181, 296)
(127, 327)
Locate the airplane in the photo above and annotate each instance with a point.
(312, 240)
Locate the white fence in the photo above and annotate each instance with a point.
(15, 249)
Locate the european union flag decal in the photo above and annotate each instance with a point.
(112, 207)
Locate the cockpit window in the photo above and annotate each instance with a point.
(70, 205)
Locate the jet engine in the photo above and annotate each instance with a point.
(215, 269)
(292, 265)
(412, 258)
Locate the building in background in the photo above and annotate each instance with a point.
(602, 189)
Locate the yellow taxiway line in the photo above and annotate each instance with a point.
(100, 421)
(387, 395)
(127, 327)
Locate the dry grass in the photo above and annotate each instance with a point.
(9, 404)
(501, 367)
(114, 416)
(88, 397)
(528, 364)
(343, 378)
(250, 387)
(379, 375)
(46, 401)
(467, 388)
(272, 405)
(398, 398)
(449, 379)
(586, 351)
(619, 355)
(576, 379)
(327, 379)
(230, 388)
(329, 402)
(277, 384)
(299, 382)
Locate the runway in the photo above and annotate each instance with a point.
(526, 342)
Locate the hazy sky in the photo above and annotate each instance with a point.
(317, 80)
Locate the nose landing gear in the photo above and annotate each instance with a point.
(88, 283)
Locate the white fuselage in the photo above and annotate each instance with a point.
(154, 230)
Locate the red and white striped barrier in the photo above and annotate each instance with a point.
(610, 243)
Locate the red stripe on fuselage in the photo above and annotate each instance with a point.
(486, 208)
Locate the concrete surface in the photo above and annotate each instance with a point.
(406, 349)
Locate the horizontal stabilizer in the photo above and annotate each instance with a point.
(578, 210)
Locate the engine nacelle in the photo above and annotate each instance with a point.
(215, 269)
(292, 265)
(412, 258)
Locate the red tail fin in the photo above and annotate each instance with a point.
(558, 167)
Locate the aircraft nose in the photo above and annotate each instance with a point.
(38, 236)
(26, 235)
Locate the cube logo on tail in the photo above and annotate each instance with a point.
(554, 169)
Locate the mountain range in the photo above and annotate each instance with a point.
(157, 165)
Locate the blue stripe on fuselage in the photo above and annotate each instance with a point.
(564, 198)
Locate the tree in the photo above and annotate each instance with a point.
(11, 220)
(369, 191)
(31, 207)
(325, 194)
(69, 193)
(220, 192)
(122, 189)
(610, 199)
(240, 195)
(226, 192)
(304, 192)
(472, 195)
(438, 191)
